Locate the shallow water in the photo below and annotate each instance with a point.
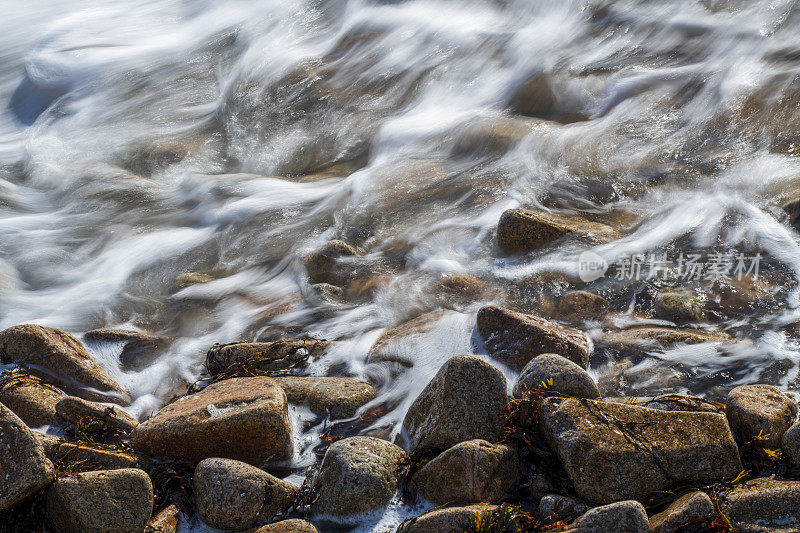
(143, 140)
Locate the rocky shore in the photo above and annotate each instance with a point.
(546, 452)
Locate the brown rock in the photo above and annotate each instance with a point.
(262, 356)
(358, 474)
(72, 410)
(120, 335)
(614, 451)
(84, 458)
(57, 357)
(515, 338)
(638, 339)
(187, 279)
(521, 230)
(31, 399)
(235, 495)
(288, 526)
(463, 288)
(557, 508)
(105, 500)
(534, 97)
(760, 409)
(763, 505)
(341, 397)
(620, 517)
(691, 513)
(472, 471)
(679, 305)
(334, 263)
(448, 520)
(582, 305)
(200, 425)
(465, 400)
(555, 375)
(165, 522)
(24, 469)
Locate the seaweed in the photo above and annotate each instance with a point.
(173, 484)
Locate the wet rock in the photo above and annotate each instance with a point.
(679, 305)
(329, 293)
(639, 339)
(31, 399)
(294, 525)
(84, 458)
(448, 520)
(116, 421)
(515, 338)
(521, 230)
(793, 210)
(557, 508)
(390, 345)
(534, 97)
(494, 137)
(465, 400)
(166, 521)
(365, 287)
(462, 289)
(471, 471)
(614, 451)
(568, 379)
(188, 279)
(105, 500)
(763, 505)
(582, 305)
(334, 263)
(760, 409)
(341, 397)
(731, 297)
(200, 425)
(235, 495)
(683, 402)
(621, 517)
(358, 474)
(24, 469)
(120, 335)
(58, 358)
(262, 356)
(691, 513)
(791, 443)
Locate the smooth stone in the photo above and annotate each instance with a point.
(340, 397)
(679, 305)
(690, 513)
(294, 525)
(640, 339)
(165, 521)
(620, 517)
(72, 410)
(76, 457)
(448, 520)
(791, 443)
(760, 409)
(31, 399)
(493, 137)
(764, 505)
(582, 305)
(522, 230)
(120, 335)
(568, 379)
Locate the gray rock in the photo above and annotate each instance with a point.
(24, 469)
(465, 400)
(234, 495)
(358, 474)
(448, 520)
(568, 379)
(760, 409)
(691, 513)
(791, 443)
(557, 508)
(621, 517)
(764, 505)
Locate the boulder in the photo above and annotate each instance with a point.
(58, 358)
(72, 410)
(294, 525)
(557, 508)
(515, 338)
(166, 521)
(235, 495)
(642, 338)
(555, 375)
(24, 469)
(121, 335)
(617, 451)
(465, 400)
(341, 397)
(469, 472)
(763, 505)
(522, 230)
(31, 399)
(201, 425)
(335, 263)
(104, 500)
(755, 410)
(691, 513)
(582, 305)
(620, 517)
(791, 443)
(262, 356)
(679, 305)
(358, 474)
(448, 520)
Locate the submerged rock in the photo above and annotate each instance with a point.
(57, 357)
(614, 451)
(642, 338)
(31, 399)
(465, 400)
(235, 495)
(390, 346)
(522, 230)
(121, 335)
(515, 338)
(73, 410)
(262, 356)
(568, 379)
(691, 513)
(24, 469)
(358, 474)
(471, 471)
(105, 500)
(534, 97)
(341, 397)
(448, 520)
(679, 305)
(294, 525)
(582, 305)
(334, 263)
(240, 418)
(620, 517)
(494, 137)
(764, 505)
(763, 410)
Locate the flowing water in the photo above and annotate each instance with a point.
(144, 140)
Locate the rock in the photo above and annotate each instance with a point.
(120, 335)
(235, 495)
(679, 305)
(72, 410)
(341, 397)
(358, 474)
(448, 520)
(556, 508)
(294, 525)
(77, 457)
(793, 210)
(471, 471)
(760, 409)
(390, 346)
(58, 358)
(621, 517)
(200, 425)
(582, 305)
(465, 400)
(521, 230)
(614, 451)
(328, 293)
(515, 338)
(24, 469)
(187, 279)
(534, 97)
(141, 353)
(791, 443)
(333, 263)
(493, 137)
(683, 402)
(104, 500)
(166, 521)
(691, 513)
(763, 505)
(31, 399)
(262, 356)
(463, 288)
(568, 379)
(640, 339)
